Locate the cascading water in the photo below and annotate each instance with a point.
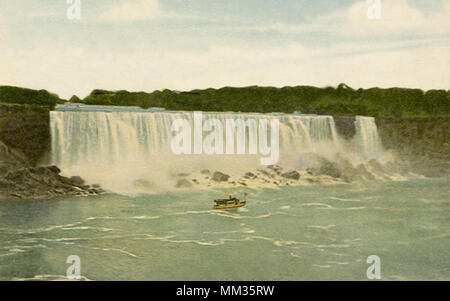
(117, 147)
(367, 138)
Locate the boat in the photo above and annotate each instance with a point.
(229, 204)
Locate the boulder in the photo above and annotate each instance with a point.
(326, 168)
(54, 169)
(183, 183)
(266, 173)
(249, 175)
(42, 182)
(76, 180)
(277, 169)
(220, 177)
(293, 175)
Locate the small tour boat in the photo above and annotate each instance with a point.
(230, 203)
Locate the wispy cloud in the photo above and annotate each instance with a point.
(407, 47)
(133, 10)
(398, 17)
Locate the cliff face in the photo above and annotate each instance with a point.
(421, 142)
(417, 136)
(26, 129)
(24, 142)
(345, 126)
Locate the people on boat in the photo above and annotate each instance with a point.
(230, 198)
(230, 203)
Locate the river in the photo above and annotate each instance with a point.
(317, 232)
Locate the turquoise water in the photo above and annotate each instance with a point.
(294, 233)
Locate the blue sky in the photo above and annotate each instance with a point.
(186, 44)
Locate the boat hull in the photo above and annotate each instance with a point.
(229, 207)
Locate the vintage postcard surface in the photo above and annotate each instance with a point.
(213, 140)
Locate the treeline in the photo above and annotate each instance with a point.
(9, 94)
(342, 100)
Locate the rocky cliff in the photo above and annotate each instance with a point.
(24, 143)
(20, 180)
(26, 129)
(345, 126)
(422, 144)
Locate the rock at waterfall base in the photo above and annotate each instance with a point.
(220, 177)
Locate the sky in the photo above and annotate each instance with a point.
(147, 45)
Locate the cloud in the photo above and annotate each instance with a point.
(360, 62)
(79, 70)
(398, 17)
(134, 10)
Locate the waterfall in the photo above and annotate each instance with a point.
(116, 147)
(367, 138)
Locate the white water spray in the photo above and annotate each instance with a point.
(117, 148)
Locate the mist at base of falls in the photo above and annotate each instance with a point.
(118, 148)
